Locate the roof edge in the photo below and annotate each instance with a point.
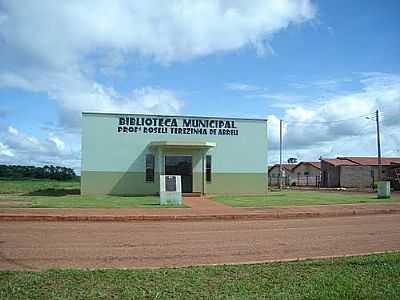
(326, 160)
(307, 163)
(355, 160)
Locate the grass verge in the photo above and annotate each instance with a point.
(65, 194)
(77, 201)
(298, 198)
(363, 277)
(32, 185)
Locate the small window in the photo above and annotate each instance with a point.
(208, 168)
(306, 173)
(149, 168)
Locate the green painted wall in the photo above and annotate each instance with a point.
(237, 183)
(114, 162)
(125, 183)
(117, 183)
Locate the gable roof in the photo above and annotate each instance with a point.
(338, 162)
(287, 167)
(360, 161)
(315, 164)
(373, 161)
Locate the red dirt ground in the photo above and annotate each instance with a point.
(43, 245)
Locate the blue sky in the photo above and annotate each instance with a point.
(310, 63)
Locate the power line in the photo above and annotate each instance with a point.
(367, 125)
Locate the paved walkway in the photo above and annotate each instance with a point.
(199, 209)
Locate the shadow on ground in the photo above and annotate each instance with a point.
(54, 192)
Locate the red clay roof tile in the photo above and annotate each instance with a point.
(360, 161)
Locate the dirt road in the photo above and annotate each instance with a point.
(42, 245)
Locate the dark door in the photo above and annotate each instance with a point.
(324, 179)
(180, 165)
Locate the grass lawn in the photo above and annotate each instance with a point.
(363, 277)
(64, 194)
(77, 201)
(294, 198)
(32, 185)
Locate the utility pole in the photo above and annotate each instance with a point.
(378, 139)
(280, 154)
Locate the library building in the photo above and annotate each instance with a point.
(125, 154)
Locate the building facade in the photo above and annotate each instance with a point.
(393, 175)
(274, 174)
(305, 173)
(125, 154)
(353, 172)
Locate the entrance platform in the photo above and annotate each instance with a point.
(199, 209)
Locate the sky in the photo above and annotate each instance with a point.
(323, 67)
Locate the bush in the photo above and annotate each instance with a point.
(31, 172)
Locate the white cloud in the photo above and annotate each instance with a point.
(5, 151)
(12, 130)
(165, 30)
(13, 80)
(60, 145)
(337, 126)
(300, 114)
(242, 87)
(283, 98)
(57, 48)
(321, 84)
(17, 147)
(91, 96)
(75, 93)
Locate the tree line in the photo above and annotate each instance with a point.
(45, 172)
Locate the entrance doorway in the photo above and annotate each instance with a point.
(181, 165)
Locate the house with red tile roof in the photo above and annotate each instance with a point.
(306, 173)
(354, 172)
(274, 174)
